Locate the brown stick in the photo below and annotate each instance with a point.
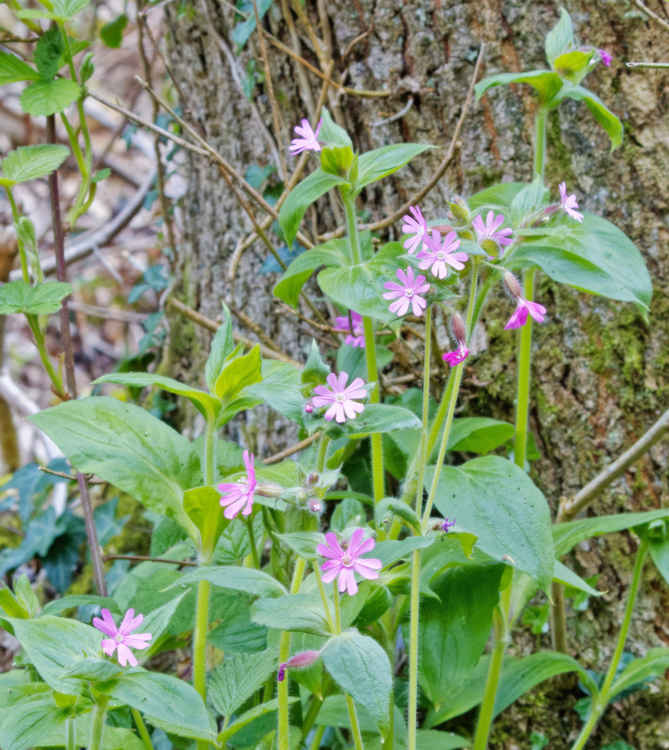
(144, 558)
(61, 273)
(293, 449)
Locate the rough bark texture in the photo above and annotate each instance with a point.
(601, 373)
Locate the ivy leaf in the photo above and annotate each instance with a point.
(112, 33)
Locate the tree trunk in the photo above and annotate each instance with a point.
(600, 371)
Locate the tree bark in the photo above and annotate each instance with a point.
(600, 371)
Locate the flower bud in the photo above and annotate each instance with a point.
(458, 327)
(299, 661)
(315, 506)
(459, 209)
(312, 479)
(308, 407)
(512, 284)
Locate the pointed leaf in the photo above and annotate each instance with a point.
(654, 664)
(249, 580)
(381, 162)
(13, 69)
(239, 373)
(544, 82)
(221, 346)
(234, 681)
(66, 9)
(32, 162)
(601, 113)
(560, 38)
(247, 717)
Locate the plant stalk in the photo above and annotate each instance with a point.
(70, 734)
(413, 649)
(98, 724)
(378, 483)
(141, 728)
(524, 378)
(284, 655)
(600, 703)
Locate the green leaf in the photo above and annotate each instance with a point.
(361, 668)
(234, 681)
(390, 551)
(10, 606)
(222, 346)
(23, 726)
(478, 434)
(301, 197)
(157, 622)
(389, 507)
(658, 546)
(360, 287)
(280, 388)
(54, 645)
(494, 499)
(56, 606)
(303, 543)
(127, 447)
(498, 196)
(601, 113)
(560, 38)
(453, 632)
(42, 299)
(49, 97)
(528, 201)
(207, 405)
(48, 53)
(331, 253)
(331, 133)
(381, 162)
(247, 717)
(236, 633)
(544, 82)
(32, 162)
(25, 595)
(171, 701)
(94, 670)
(568, 535)
(66, 9)
(13, 69)
(380, 418)
(315, 368)
(300, 612)
(573, 65)
(112, 33)
(243, 30)
(239, 373)
(565, 575)
(654, 664)
(248, 580)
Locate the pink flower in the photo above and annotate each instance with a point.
(457, 356)
(301, 660)
(344, 561)
(489, 230)
(238, 495)
(406, 293)
(519, 317)
(568, 203)
(356, 337)
(120, 639)
(415, 225)
(340, 397)
(308, 140)
(605, 57)
(436, 256)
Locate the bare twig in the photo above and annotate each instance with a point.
(255, 327)
(582, 498)
(397, 215)
(145, 558)
(293, 449)
(61, 272)
(652, 14)
(212, 325)
(397, 116)
(647, 64)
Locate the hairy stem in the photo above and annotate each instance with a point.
(378, 484)
(141, 728)
(98, 724)
(413, 648)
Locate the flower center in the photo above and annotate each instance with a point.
(346, 560)
(340, 397)
(118, 638)
(408, 293)
(441, 255)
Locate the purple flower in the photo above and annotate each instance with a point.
(568, 203)
(340, 397)
(488, 231)
(239, 495)
(456, 356)
(605, 57)
(415, 225)
(525, 307)
(299, 661)
(120, 639)
(447, 524)
(308, 140)
(436, 256)
(406, 293)
(346, 560)
(356, 337)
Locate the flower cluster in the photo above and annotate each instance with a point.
(353, 327)
(345, 560)
(120, 638)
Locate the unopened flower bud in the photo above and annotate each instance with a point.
(512, 284)
(458, 327)
(299, 661)
(315, 506)
(308, 407)
(312, 479)
(459, 209)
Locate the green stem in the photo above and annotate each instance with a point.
(22, 250)
(487, 709)
(40, 343)
(524, 376)
(141, 728)
(315, 704)
(600, 703)
(322, 452)
(427, 355)
(98, 724)
(540, 141)
(337, 608)
(284, 655)
(70, 734)
(324, 598)
(370, 350)
(252, 541)
(318, 736)
(413, 649)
